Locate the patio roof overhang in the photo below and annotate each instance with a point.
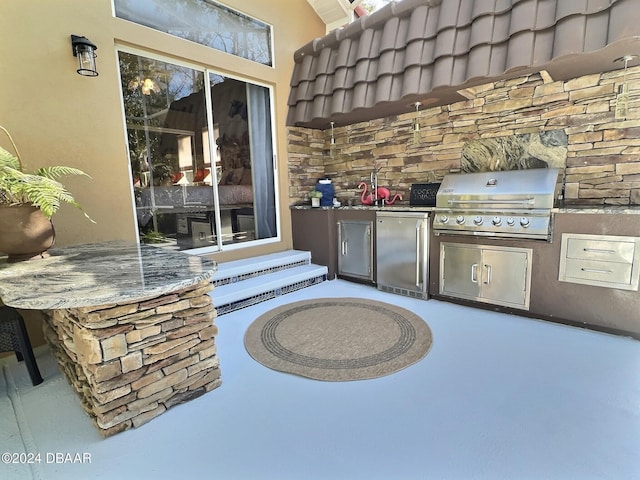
(435, 51)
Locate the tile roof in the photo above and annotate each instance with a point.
(427, 50)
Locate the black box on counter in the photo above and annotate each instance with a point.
(423, 194)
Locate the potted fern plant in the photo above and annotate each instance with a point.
(27, 203)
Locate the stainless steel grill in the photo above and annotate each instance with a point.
(512, 204)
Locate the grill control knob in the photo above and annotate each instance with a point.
(477, 220)
(444, 219)
(511, 222)
(524, 221)
(459, 219)
(497, 221)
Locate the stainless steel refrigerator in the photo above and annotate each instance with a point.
(402, 253)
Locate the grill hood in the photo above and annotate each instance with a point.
(513, 189)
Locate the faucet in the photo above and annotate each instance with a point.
(374, 187)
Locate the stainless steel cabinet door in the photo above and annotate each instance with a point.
(504, 277)
(460, 270)
(490, 274)
(355, 249)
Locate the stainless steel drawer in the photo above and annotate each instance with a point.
(598, 271)
(607, 250)
(600, 260)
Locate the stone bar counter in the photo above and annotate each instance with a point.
(131, 326)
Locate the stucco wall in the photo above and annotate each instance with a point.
(603, 158)
(58, 117)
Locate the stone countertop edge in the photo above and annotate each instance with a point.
(583, 209)
(397, 208)
(98, 274)
(599, 209)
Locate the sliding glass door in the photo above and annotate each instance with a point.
(201, 155)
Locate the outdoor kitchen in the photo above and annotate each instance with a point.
(566, 237)
(308, 215)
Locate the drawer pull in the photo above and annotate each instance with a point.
(595, 270)
(598, 250)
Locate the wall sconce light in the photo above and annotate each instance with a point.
(84, 50)
(416, 124)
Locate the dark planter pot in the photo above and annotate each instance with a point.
(25, 232)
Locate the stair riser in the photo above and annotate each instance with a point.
(268, 295)
(238, 270)
(241, 283)
(276, 268)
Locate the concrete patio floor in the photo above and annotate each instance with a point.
(497, 397)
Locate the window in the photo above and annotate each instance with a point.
(204, 22)
(201, 155)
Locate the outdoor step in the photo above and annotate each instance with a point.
(233, 296)
(240, 270)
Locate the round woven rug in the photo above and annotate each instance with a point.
(338, 339)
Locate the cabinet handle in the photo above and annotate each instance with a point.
(598, 250)
(488, 279)
(595, 270)
(474, 273)
(344, 247)
(370, 246)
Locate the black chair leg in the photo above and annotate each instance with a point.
(24, 350)
(27, 353)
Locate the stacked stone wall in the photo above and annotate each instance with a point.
(603, 159)
(131, 362)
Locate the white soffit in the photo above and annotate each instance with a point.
(334, 13)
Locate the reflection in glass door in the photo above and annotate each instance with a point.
(203, 177)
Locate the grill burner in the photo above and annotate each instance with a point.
(511, 204)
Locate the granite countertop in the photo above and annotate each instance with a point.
(395, 207)
(585, 209)
(99, 274)
(599, 209)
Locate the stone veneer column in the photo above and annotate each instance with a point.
(131, 362)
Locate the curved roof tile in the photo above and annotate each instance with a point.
(427, 50)
(346, 53)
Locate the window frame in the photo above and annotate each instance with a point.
(270, 26)
(207, 71)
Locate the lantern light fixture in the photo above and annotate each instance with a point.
(622, 98)
(84, 50)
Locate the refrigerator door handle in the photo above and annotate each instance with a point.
(418, 262)
(343, 243)
(424, 257)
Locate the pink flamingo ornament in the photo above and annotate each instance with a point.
(385, 194)
(364, 198)
(381, 194)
